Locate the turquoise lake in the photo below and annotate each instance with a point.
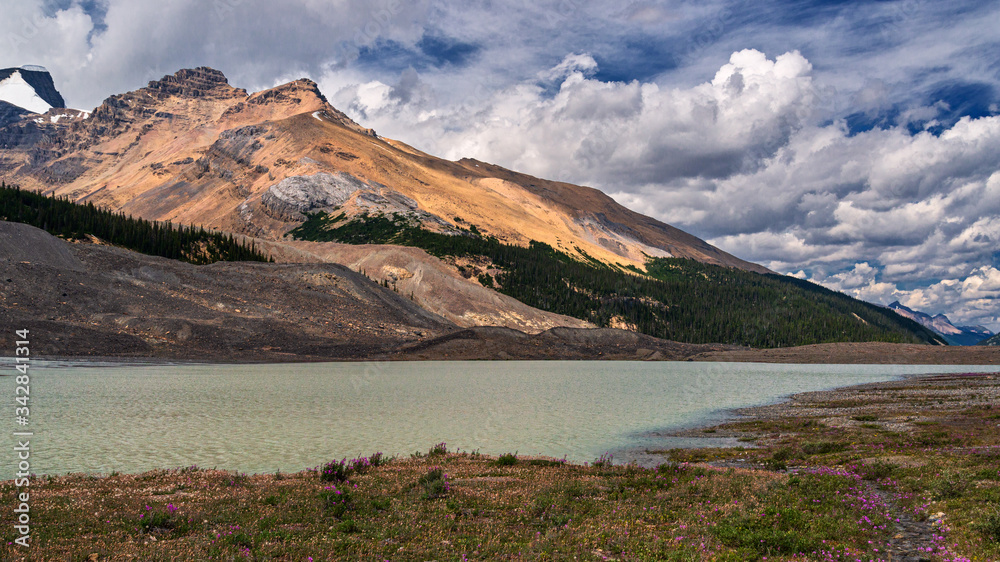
(100, 418)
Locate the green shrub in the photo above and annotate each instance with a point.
(988, 523)
(435, 483)
(546, 462)
(348, 526)
(378, 459)
(157, 520)
(335, 471)
(339, 471)
(779, 459)
(823, 447)
(604, 461)
(987, 473)
(932, 439)
(239, 540)
(507, 459)
(775, 464)
(877, 470)
(381, 504)
(783, 454)
(237, 479)
(949, 487)
(336, 502)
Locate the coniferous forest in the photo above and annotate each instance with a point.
(69, 220)
(678, 299)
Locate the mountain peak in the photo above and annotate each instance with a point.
(296, 97)
(192, 82)
(26, 90)
(301, 91)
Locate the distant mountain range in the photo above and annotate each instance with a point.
(940, 324)
(992, 341)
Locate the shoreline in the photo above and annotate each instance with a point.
(473, 345)
(714, 432)
(867, 353)
(786, 407)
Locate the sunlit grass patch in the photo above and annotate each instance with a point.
(823, 447)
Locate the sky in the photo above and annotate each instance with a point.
(852, 143)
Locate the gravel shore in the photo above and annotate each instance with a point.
(896, 404)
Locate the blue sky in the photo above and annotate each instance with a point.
(852, 143)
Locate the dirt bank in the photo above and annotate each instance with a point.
(861, 353)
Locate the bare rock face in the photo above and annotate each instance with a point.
(119, 112)
(294, 91)
(195, 83)
(297, 195)
(294, 196)
(10, 113)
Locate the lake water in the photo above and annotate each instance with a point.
(262, 418)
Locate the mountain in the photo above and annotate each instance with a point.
(955, 335)
(469, 241)
(991, 341)
(26, 90)
(193, 149)
(983, 331)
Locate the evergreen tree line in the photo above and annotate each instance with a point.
(678, 299)
(61, 217)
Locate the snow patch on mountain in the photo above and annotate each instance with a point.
(15, 90)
